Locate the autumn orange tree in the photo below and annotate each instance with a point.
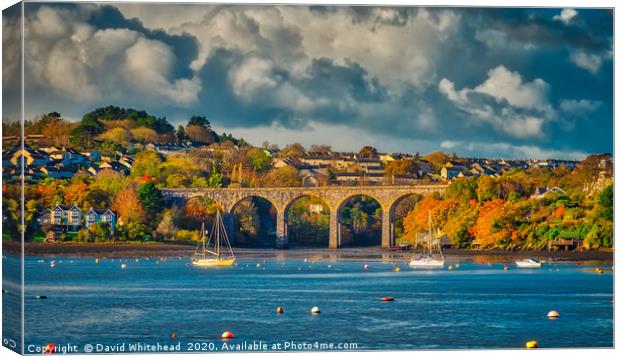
(416, 220)
(129, 207)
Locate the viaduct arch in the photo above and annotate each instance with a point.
(334, 196)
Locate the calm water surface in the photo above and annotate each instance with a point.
(474, 306)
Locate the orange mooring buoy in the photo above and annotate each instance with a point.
(280, 310)
(174, 335)
(227, 335)
(387, 299)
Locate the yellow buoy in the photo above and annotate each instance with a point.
(457, 265)
(315, 310)
(96, 260)
(553, 314)
(450, 267)
(532, 344)
(397, 269)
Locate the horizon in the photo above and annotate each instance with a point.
(344, 76)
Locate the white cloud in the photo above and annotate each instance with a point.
(590, 62)
(566, 15)
(521, 108)
(504, 84)
(80, 62)
(579, 108)
(293, 36)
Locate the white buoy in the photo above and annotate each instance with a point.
(123, 266)
(365, 266)
(329, 266)
(553, 314)
(315, 310)
(258, 265)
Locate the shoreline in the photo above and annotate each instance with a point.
(124, 250)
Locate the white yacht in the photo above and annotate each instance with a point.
(429, 260)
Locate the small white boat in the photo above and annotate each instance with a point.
(528, 263)
(428, 260)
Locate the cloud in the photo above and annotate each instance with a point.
(590, 62)
(519, 109)
(566, 16)
(71, 57)
(411, 77)
(579, 108)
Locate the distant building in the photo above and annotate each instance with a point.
(540, 193)
(451, 172)
(100, 215)
(68, 216)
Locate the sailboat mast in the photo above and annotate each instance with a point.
(430, 233)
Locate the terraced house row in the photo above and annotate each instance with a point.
(71, 218)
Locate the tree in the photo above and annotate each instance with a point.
(292, 150)
(129, 207)
(100, 231)
(150, 197)
(76, 193)
(401, 166)
(167, 227)
(181, 136)
(320, 149)
(84, 134)
(282, 177)
(606, 201)
(145, 135)
(200, 134)
(368, 152)
(147, 163)
(116, 135)
(199, 121)
(259, 160)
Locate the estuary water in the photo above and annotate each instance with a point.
(168, 302)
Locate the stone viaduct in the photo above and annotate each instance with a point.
(334, 197)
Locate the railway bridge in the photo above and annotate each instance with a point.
(335, 197)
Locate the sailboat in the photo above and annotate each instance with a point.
(221, 255)
(428, 260)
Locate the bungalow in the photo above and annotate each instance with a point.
(100, 215)
(71, 217)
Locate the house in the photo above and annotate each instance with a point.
(57, 173)
(69, 216)
(100, 215)
(451, 172)
(540, 193)
(72, 157)
(565, 243)
(117, 166)
(44, 217)
(33, 158)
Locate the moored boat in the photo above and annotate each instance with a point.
(429, 260)
(221, 255)
(528, 263)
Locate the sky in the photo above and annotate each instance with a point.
(494, 82)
